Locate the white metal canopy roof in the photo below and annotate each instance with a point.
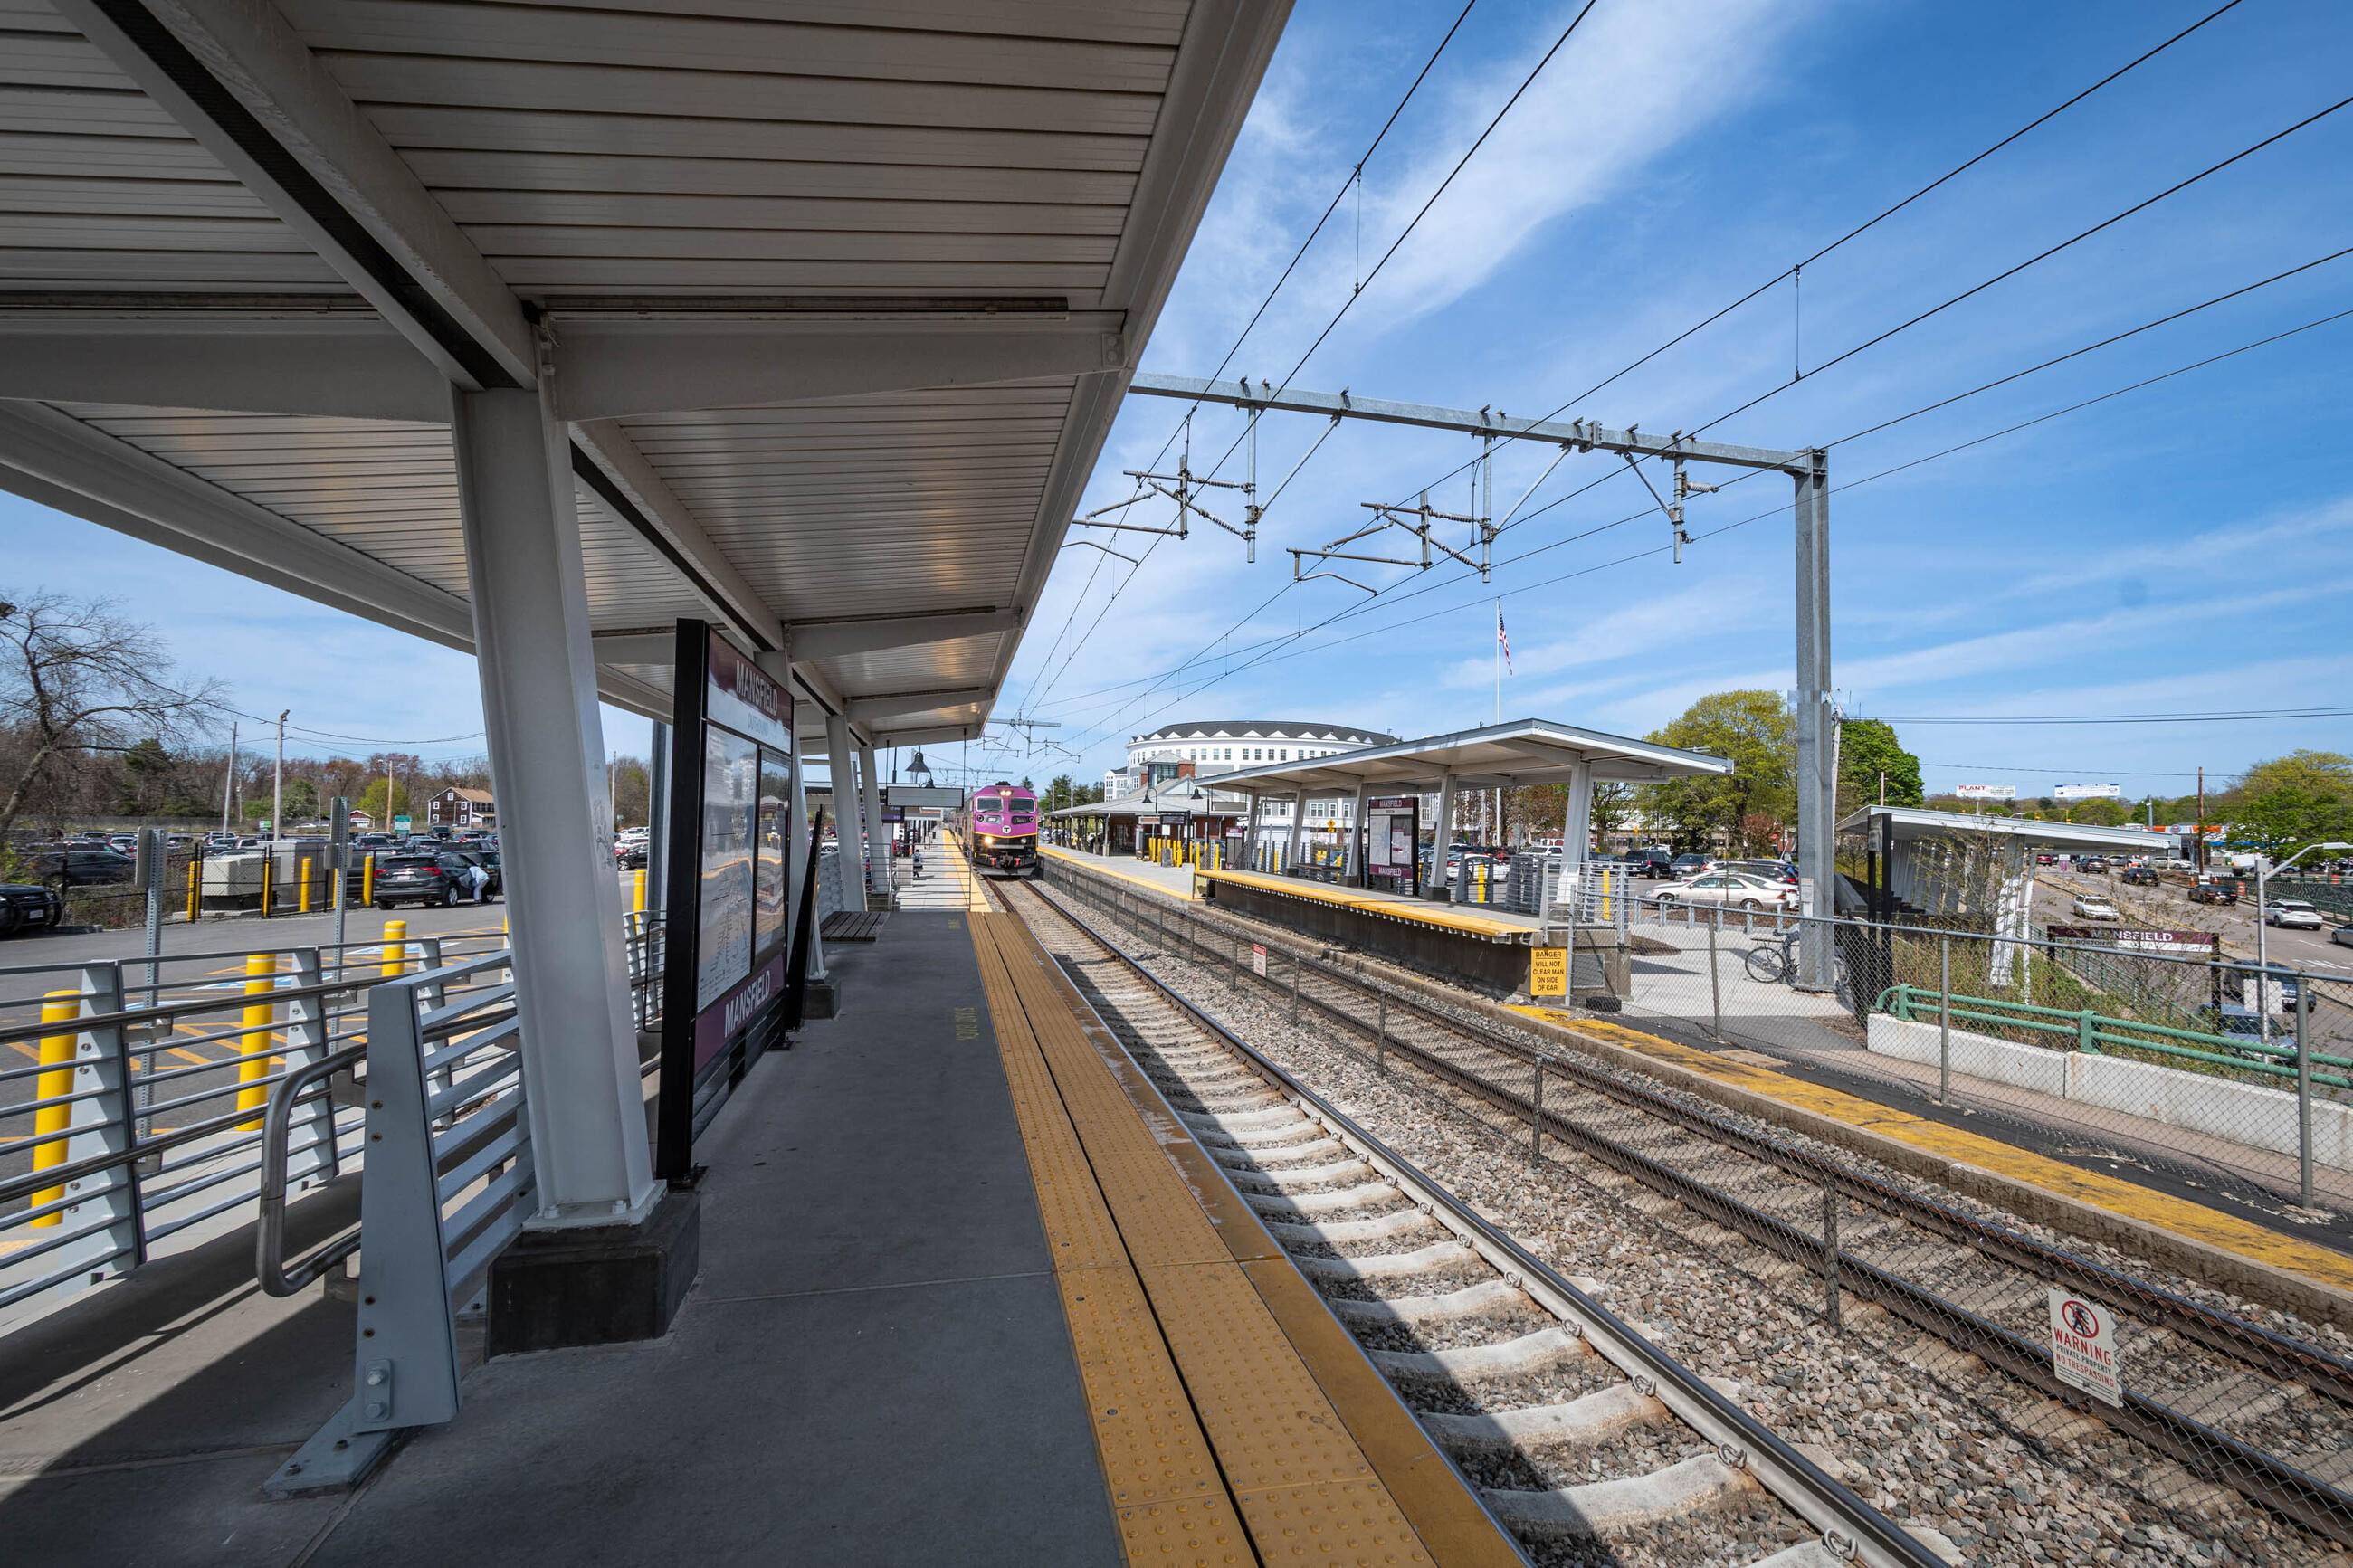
(1912, 823)
(1518, 751)
(837, 300)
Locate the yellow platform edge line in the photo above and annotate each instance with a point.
(2065, 1183)
(1443, 916)
(1451, 1520)
(1294, 1468)
(1161, 1479)
(1099, 868)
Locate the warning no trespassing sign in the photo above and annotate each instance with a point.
(2084, 1346)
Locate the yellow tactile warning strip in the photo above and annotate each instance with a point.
(2128, 1199)
(1100, 869)
(1327, 1465)
(1458, 1531)
(1444, 916)
(1297, 1478)
(1166, 1489)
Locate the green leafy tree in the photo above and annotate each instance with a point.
(1867, 748)
(1753, 730)
(371, 801)
(2314, 773)
(2283, 819)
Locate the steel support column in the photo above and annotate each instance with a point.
(1354, 861)
(1441, 835)
(848, 820)
(798, 864)
(1817, 800)
(1575, 835)
(555, 817)
(1298, 827)
(878, 835)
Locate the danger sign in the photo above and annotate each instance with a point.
(2084, 1346)
(1257, 959)
(1547, 971)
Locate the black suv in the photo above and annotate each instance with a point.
(78, 864)
(424, 879)
(2212, 893)
(24, 905)
(2140, 876)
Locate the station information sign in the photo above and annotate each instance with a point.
(726, 894)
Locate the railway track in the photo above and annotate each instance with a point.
(1586, 1441)
(2223, 1399)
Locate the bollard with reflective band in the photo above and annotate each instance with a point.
(395, 949)
(367, 881)
(306, 884)
(254, 1060)
(52, 1122)
(638, 892)
(194, 867)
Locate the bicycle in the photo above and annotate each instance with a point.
(1775, 963)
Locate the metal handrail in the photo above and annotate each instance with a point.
(270, 1228)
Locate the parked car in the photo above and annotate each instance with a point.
(2139, 876)
(24, 906)
(631, 855)
(2212, 893)
(1691, 864)
(2342, 935)
(488, 859)
(1731, 889)
(1771, 870)
(2091, 863)
(2096, 907)
(2045, 857)
(2292, 914)
(78, 864)
(423, 879)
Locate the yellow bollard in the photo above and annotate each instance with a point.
(367, 880)
(306, 884)
(269, 875)
(396, 950)
(254, 1061)
(56, 1052)
(193, 867)
(638, 892)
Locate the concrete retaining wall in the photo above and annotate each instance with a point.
(2251, 1114)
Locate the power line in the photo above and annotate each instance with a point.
(2218, 716)
(1355, 175)
(1415, 221)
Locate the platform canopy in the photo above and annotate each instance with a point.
(1912, 825)
(833, 303)
(1505, 756)
(1197, 797)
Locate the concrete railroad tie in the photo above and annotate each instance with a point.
(1594, 1418)
(1347, 1169)
(1607, 1508)
(1472, 1301)
(1348, 1231)
(1431, 1259)
(1235, 1159)
(1239, 1125)
(1312, 1204)
(1520, 1357)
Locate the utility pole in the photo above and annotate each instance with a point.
(387, 791)
(1817, 762)
(229, 779)
(278, 782)
(2197, 851)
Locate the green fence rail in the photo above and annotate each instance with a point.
(2096, 1032)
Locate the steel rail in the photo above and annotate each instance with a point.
(2213, 1454)
(2273, 1353)
(1741, 1440)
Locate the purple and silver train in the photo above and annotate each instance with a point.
(1001, 830)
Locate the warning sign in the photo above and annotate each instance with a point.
(1257, 959)
(2084, 1346)
(1547, 971)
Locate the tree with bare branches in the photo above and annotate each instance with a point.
(76, 678)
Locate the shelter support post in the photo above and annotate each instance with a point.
(580, 1053)
(1575, 829)
(878, 836)
(1298, 826)
(848, 818)
(658, 818)
(1441, 835)
(1357, 869)
(1816, 786)
(798, 864)
(1249, 839)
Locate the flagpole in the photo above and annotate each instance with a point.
(1499, 661)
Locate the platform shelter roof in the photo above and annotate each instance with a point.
(1911, 823)
(1190, 798)
(1517, 751)
(835, 303)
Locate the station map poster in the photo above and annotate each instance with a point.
(1392, 834)
(729, 793)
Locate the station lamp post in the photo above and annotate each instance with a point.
(2263, 869)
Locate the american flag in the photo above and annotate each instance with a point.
(1502, 637)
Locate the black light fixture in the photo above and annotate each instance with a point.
(919, 770)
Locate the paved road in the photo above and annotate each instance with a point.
(2169, 908)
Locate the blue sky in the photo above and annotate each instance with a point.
(2176, 547)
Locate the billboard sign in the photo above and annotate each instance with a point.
(1986, 792)
(2190, 944)
(2088, 792)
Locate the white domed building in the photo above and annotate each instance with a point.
(1221, 746)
